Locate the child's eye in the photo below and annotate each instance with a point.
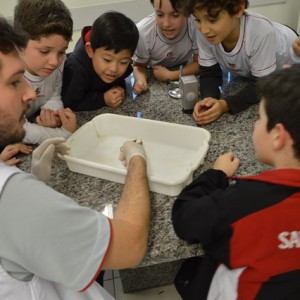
(106, 60)
(44, 52)
(15, 83)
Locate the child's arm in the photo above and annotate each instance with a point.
(36, 134)
(9, 152)
(198, 210)
(163, 74)
(141, 78)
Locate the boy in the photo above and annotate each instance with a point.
(51, 247)
(94, 74)
(49, 25)
(250, 230)
(167, 40)
(241, 42)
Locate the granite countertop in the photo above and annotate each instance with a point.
(229, 133)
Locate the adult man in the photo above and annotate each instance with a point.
(51, 248)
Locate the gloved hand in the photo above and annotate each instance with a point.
(42, 157)
(130, 149)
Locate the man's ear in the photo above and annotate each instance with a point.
(281, 136)
(89, 50)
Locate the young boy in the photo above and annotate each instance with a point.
(167, 40)
(49, 25)
(250, 230)
(241, 42)
(94, 74)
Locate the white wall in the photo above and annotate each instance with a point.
(84, 12)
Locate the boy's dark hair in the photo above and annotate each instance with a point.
(40, 18)
(280, 93)
(10, 41)
(174, 3)
(214, 7)
(114, 31)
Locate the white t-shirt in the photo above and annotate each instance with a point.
(263, 46)
(155, 49)
(48, 90)
(46, 235)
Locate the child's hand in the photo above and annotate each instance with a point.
(114, 97)
(161, 73)
(9, 152)
(296, 46)
(68, 119)
(140, 86)
(48, 118)
(228, 163)
(209, 110)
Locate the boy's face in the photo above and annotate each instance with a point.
(224, 28)
(107, 64)
(261, 137)
(168, 20)
(15, 93)
(43, 56)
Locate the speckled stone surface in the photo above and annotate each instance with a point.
(229, 133)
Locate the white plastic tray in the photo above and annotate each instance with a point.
(173, 151)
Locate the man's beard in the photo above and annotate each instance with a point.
(10, 135)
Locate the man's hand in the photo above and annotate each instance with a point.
(131, 149)
(42, 157)
(228, 163)
(208, 110)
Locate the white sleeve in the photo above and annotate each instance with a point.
(47, 234)
(262, 52)
(142, 52)
(36, 134)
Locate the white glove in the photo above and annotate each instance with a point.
(131, 149)
(42, 157)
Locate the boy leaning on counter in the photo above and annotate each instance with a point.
(249, 230)
(241, 42)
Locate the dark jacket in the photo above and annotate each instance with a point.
(251, 227)
(82, 88)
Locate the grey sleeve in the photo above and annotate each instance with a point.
(47, 234)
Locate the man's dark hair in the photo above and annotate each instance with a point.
(214, 7)
(114, 31)
(280, 93)
(9, 39)
(39, 18)
(174, 3)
